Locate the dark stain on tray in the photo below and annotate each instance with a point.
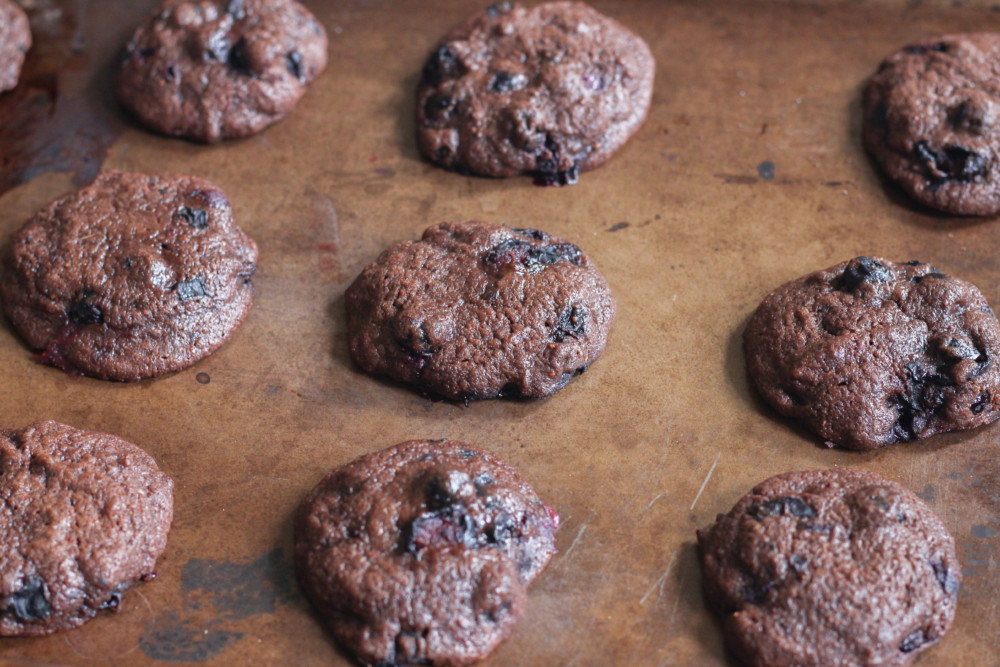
(239, 590)
(216, 594)
(171, 639)
(46, 125)
(766, 170)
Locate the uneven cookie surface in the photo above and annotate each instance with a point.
(131, 277)
(550, 91)
(15, 40)
(84, 515)
(420, 553)
(476, 310)
(932, 121)
(868, 353)
(830, 568)
(214, 69)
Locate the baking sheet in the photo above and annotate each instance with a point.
(748, 173)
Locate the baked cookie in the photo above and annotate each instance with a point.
(830, 568)
(932, 121)
(84, 516)
(549, 91)
(131, 277)
(420, 553)
(214, 69)
(15, 40)
(475, 310)
(868, 353)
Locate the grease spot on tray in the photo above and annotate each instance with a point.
(216, 595)
(171, 639)
(238, 590)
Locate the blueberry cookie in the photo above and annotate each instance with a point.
(868, 353)
(131, 277)
(15, 40)
(476, 310)
(931, 121)
(421, 553)
(551, 91)
(84, 516)
(830, 567)
(213, 69)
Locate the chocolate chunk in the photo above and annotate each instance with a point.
(442, 65)
(191, 289)
(949, 582)
(196, 217)
(83, 310)
(572, 324)
(781, 506)
(913, 641)
(505, 82)
(450, 525)
(862, 269)
(503, 529)
(238, 60)
(29, 603)
(498, 9)
(295, 64)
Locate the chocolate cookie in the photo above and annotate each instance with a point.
(420, 553)
(475, 310)
(868, 353)
(214, 69)
(932, 121)
(550, 91)
(15, 40)
(830, 567)
(131, 277)
(84, 515)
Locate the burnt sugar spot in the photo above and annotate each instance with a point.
(766, 170)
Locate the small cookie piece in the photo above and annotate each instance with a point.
(213, 69)
(931, 122)
(550, 91)
(131, 277)
(15, 40)
(476, 310)
(84, 516)
(868, 353)
(830, 567)
(421, 553)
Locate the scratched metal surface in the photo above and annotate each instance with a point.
(748, 173)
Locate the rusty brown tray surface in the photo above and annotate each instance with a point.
(749, 172)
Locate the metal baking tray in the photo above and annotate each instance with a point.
(749, 172)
